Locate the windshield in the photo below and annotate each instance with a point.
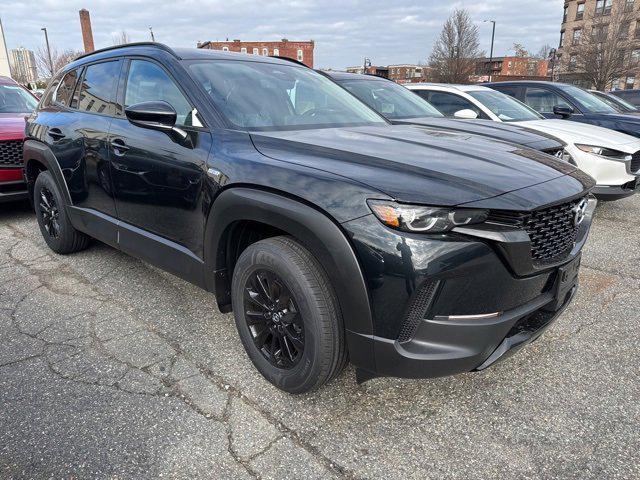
(268, 96)
(390, 99)
(616, 102)
(506, 108)
(15, 99)
(590, 103)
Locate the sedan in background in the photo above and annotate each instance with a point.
(568, 102)
(15, 104)
(620, 104)
(612, 158)
(631, 96)
(401, 107)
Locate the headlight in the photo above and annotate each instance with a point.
(605, 152)
(418, 218)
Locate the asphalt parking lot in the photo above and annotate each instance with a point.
(110, 368)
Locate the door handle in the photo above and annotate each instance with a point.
(56, 133)
(119, 147)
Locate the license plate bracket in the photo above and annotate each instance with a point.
(566, 280)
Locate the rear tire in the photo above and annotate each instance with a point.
(53, 220)
(287, 315)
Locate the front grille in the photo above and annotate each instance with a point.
(635, 162)
(11, 153)
(417, 310)
(555, 152)
(552, 230)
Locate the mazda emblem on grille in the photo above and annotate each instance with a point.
(579, 212)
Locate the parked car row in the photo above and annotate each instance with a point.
(340, 217)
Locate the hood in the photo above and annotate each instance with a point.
(12, 126)
(577, 132)
(414, 164)
(488, 128)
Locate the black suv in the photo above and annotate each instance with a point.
(329, 232)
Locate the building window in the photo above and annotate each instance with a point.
(243, 50)
(603, 7)
(624, 30)
(561, 38)
(564, 14)
(599, 32)
(628, 6)
(276, 52)
(577, 34)
(615, 84)
(573, 62)
(225, 49)
(300, 55)
(580, 11)
(265, 52)
(635, 55)
(255, 51)
(629, 82)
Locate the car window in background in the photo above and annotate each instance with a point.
(618, 103)
(148, 82)
(591, 103)
(543, 100)
(506, 108)
(390, 99)
(15, 99)
(268, 96)
(65, 89)
(97, 92)
(449, 103)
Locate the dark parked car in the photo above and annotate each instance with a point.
(15, 104)
(618, 103)
(559, 100)
(329, 232)
(402, 107)
(631, 96)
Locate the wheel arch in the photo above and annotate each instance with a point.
(310, 226)
(38, 157)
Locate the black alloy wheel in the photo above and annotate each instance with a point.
(49, 213)
(273, 319)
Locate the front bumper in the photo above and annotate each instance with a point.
(616, 192)
(456, 303)
(13, 187)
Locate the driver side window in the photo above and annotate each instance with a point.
(543, 100)
(147, 82)
(449, 104)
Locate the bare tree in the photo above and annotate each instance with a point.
(58, 58)
(519, 50)
(602, 52)
(454, 54)
(544, 52)
(121, 38)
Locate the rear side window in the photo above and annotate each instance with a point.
(97, 93)
(148, 82)
(64, 93)
(507, 90)
(449, 103)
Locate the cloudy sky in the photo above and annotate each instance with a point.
(345, 31)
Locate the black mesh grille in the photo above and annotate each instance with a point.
(11, 153)
(417, 310)
(635, 162)
(552, 230)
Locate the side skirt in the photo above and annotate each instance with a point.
(158, 251)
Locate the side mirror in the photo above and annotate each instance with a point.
(562, 111)
(466, 114)
(156, 115)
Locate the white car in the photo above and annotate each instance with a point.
(612, 158)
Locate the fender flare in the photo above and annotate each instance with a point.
(316, 231)
(37, 151)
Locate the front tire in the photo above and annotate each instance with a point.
(53, 220)
(287, 315)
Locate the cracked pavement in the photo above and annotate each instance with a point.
(111, 368)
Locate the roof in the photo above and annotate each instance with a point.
(179, 53)
(447, 86)
(350, 76)
(7, 81)
(516, 82)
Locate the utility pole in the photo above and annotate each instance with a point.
(153, 39)
(367, 63)
(493, 36)
(46, 37)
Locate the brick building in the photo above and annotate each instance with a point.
(300, 51)
(578, 17)
(402, 73)
(512, 68)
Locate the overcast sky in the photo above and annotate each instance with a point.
(345, 31)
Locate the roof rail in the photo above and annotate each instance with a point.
(134, 44)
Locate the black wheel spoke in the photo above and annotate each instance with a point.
(273, 319)
(49, 213)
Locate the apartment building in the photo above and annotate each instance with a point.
(511, 68)
(588, 17)
(23, 65)
(401, 73)
(301, 51)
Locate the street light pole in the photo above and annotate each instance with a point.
(493, 36)
(46, 37)
(153, 39)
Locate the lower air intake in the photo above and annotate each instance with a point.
(417, 310)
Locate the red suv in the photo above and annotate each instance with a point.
(15, 103)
